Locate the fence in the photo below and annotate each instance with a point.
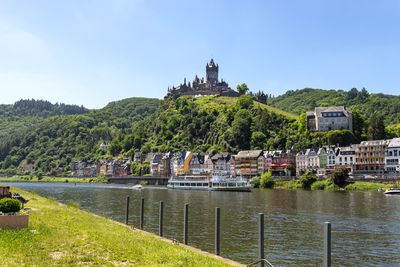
(217, 240)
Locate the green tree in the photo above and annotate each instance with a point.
(257, 140)
(245, 102)
(241, 129)
(266, 180)
(343, 138)
(302, 121)
(307, 179)
(359, 125)
(340, 177)
(376, 130)
(242, 88)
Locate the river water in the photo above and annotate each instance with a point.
(365, 225)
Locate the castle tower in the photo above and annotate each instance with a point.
(212, 72)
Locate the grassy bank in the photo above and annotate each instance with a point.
(47, 179)
(328, 185)
(64, 235)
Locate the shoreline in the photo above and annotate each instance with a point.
(63, 234)
(355, 186)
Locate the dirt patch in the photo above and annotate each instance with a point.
(57, 255)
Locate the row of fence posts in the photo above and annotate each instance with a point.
(261, 261)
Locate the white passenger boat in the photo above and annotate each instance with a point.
(392, 191)
(215, 183)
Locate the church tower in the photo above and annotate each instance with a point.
(212, 72)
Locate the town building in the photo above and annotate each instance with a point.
(392, 160)
(156, 165)
(165, 166)
(324, 119)
(249, 163)
(346, 157)
(370, 157)
(283, 162)
(301, 162)
(222, 164)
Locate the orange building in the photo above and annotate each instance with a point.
(370, 156)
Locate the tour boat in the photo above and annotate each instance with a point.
(392, 191)
(215, 183)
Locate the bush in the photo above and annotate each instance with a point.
(266, 180)
(307, 180)
(255, 182)
(326, 184)
(340, 176)
(9, 205)
(143, 183)
(318, 185)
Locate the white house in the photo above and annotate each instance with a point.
(392, 158)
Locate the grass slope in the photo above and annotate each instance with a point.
(232, 101)
(64, 235)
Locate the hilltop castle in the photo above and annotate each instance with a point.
(210, 86)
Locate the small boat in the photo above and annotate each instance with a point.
(391, 191)
(216, 183)
(138, 186)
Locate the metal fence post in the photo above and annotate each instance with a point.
(261, 238)
(127, 210)
(327, 244)
(141, 213)
(161, 214)
(185, 224)
(217, 231)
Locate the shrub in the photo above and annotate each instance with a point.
(9, 205)
(318, 185)
(255, 182)
(267, 181)
(307, 180)
(340, 176)
(144, 183)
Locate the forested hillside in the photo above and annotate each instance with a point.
(206, 124)
(299, 101)
(55, 141)
(202, 124)
(26, 113)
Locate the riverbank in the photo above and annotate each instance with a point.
(65, 235)
(328, 185)
(47, 179)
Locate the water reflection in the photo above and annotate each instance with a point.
(365, 225)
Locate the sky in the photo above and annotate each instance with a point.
(93, 52)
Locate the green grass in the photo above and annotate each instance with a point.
(47, 179)
(64, 235)
(327, 184)
(232, 101)
(364, 186)
(218, 102)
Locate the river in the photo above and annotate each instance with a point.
(365, 225)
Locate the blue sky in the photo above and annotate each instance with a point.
(93, 52)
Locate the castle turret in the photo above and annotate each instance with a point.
(212, 72)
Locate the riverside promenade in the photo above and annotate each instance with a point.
(65, 235)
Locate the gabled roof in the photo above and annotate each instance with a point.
(249, 154)
(395, 142)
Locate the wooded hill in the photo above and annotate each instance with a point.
(51, 143)
(299, 101)
(212, 123)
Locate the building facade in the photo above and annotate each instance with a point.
(392, 160)
(370, 157)
(324, 119)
